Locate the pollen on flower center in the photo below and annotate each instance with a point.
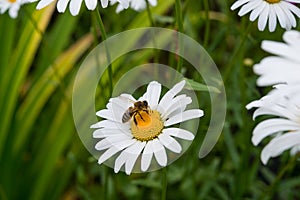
(12, 1)
(273, 1)
(148, 125)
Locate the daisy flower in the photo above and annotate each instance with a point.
(12, 6)
(284, 67)
(148, 133)
(137, 5)
(284, 104)
(74, 5)
(269, 11)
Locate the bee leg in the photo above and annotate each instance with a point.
(141, 116)
(135, 122)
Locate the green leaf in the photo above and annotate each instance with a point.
(44, 87)
(193, 85)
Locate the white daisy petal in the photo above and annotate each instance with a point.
(152, 94)
(110, 141)
(43, 4)
(91, 4)
(179, 133)
(256, 12)
(279, 145)
(128, 157)
(263, 18)
(238, 4)
(179, 103)
(170, 143)
(62, 5)
(266, 11)
(114, 149)
(75, 7)
(272, 19)
(147, 156)
(166, 99)
(159, 153)
(271, 126)
(184, 116)
(135, 152)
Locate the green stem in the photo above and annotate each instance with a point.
(152, 22)
(284, 170)
(150, 17)
(207, 23)
(238, 47)
(105, 182)
(104, 36)
(179, 21)
(164, 184)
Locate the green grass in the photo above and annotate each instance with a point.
(41, 155)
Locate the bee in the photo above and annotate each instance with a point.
(132, 112)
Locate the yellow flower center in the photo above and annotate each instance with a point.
(12, 1)
(273, 1)
(148, 125)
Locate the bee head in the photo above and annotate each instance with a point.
(145, 103)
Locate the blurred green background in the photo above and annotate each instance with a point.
(41, 155)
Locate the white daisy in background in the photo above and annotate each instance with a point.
(283, 102)
(74, 5)
(269, 11)
(137, 5)
(284, 67)
(149, 132)
(12, 6)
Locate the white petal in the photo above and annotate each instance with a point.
(104, 3)
(43, 4)
(166, 99)
(257, 11)
(108, 115)
(170, 143)
(159, 152)
(179, 103)
(128, 157)
(91, 4)
(238, 4)
(263, 18)
(289, 16)
(280, 144)
(184, 116)
(111, 141)
(102, 133)
(281, 16)
(249, 6)
(62, 5)
(153, 2)
(75, 7)
(270, 126)
(152, 94)
(114, 149)
(147, 156)
(110, 124)
(179, 133)
(124, 3)
(272, 19)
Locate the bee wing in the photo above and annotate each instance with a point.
(128, 98)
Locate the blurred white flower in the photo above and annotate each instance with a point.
(137, 5)
(284, 67)
(74, 5)
(283, 103)
(148, 132)
(12, 6)
(269, 11)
